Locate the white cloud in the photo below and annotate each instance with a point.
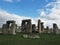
(4, 16)
(12, 1)
(58, 1)
(48, 19)
(53, 16)
(51, 4)
(8, 0)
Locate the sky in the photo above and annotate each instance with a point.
(48, 11)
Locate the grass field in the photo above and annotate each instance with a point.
(45, 39)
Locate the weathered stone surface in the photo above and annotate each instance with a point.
(9, 27)
(55, 29)
(51, 31)
(33, 28)
(18, 29)
(4, 29)
(31, 36)
(47, 29)
(39, 26)
(42, 27)
(26, 26)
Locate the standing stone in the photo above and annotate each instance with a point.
(9, 27)
(4, 29)
(39, 26)
(33, 28)
(23, 26)
(55, 29)
(51, 31)
(18, 29)
(26, 26)
(47, 29)
(42, 27)
(30, 26)
(13, 29)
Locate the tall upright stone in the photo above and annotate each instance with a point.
(4, 29)
(33, 28)
(51, 31)
(39, 25)
(26, 26)
(55, 29)
(42, 27)
(9, 27)
(47, 29)
(18, 29)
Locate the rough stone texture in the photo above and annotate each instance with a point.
(51, 31)
(9, 27)
(18, 29)
(39, 26)
(0, 30)
(31, 36)
(42, 27)
(55, 29)
(26, 26)
(33, 28)
(4, 29)
(47, 29)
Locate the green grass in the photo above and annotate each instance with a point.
(45, 39)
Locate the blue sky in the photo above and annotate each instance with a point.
(25, 7)
(48, 11)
